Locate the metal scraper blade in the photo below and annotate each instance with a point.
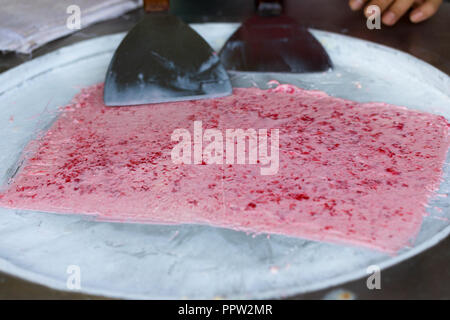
(162, 59)
(273, 42)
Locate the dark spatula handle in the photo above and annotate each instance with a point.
(156, 5)
(269, 7)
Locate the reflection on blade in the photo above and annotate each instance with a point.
(160, 60)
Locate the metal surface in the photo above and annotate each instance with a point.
(127, 260)
(270, 41)
(162, 59)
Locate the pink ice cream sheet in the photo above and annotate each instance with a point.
(348, 172)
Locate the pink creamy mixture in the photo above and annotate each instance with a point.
(349, 172)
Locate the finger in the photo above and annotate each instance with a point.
(396, 11)
(356, 4)
(424, 11)
(382, 4)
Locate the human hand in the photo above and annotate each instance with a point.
(393, 10)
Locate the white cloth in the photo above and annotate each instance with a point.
(28, 24)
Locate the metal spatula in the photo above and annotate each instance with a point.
(162, 59)
(270, 41)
